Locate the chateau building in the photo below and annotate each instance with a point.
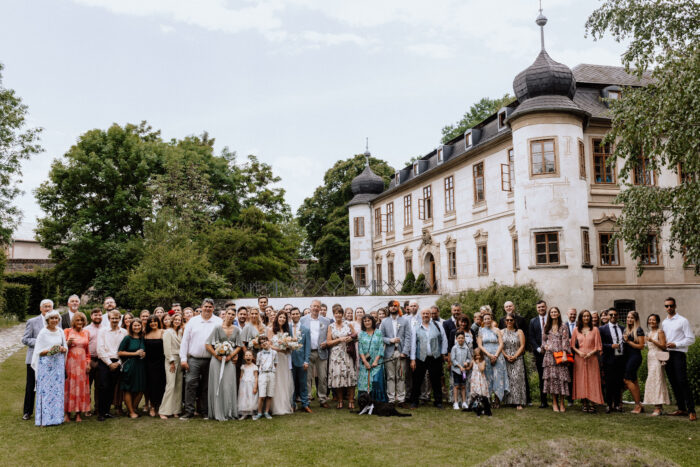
(525, 195)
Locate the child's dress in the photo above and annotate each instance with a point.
(247, 401)
(478, 385)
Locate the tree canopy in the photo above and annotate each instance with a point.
(658, 125)
(476, 114)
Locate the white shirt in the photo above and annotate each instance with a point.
(395, 325)
(314, 328)
(677, 330)
(93, 332)
(195, 337)
(108, 343)
(616, 335)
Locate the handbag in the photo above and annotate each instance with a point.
(662, 356)
(562, 357)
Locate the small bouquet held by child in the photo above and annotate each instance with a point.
(284, 341)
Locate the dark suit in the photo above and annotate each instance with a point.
(450, 331)
(65, 320)
(534, 339)
(613, 365)
(299, 358)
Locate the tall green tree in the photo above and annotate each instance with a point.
(659, 124)
(476, 114)
(324, 215)
(17, 143)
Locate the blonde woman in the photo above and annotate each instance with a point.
(172, 399)
(633, 337)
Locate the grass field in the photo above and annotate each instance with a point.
(329, 437)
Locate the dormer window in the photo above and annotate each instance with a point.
(468, 139)
(614, 95)
(439, 155)
(415, 169)
(397, 178)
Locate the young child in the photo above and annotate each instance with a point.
(267, 363)
(479, 387)
(248, 389)
(461, 357)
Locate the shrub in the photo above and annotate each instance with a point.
(421, 286)
(17, 300)
(694, 369)
(42, 283)
(495, 295)
(409, 284)
(3, 261)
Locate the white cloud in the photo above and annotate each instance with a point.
(432, 50)
(166, 29)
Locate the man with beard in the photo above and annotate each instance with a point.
(396, 332)
(73, 307)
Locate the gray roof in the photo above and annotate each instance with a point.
(607, 75)
(367, 182)
(544, 77)
(589, 100)
(362, 198)
(549, 103)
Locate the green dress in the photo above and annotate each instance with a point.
(370, 347)
(133, 377)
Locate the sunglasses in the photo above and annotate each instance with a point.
(669, 306)
(509, 320)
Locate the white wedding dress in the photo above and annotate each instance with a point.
(284, 385)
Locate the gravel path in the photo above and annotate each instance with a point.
(10, 341)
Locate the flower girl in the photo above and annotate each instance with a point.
(248, 389)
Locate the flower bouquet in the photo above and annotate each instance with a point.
(53, 350)
(223, 350)
(286, 342)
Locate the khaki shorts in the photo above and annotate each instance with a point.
(266, 384)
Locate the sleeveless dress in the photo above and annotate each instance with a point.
(655, 389)
(516, 370)
(77, 387)
(247, 401)
(341, 366)
(496, 374)
(155, 371)
(478, 384)
(284, 384)
(556, 377)
(133, 378)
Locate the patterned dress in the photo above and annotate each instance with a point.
(655, 389)
(77, 386)
(516, 370)
(50, 378)
(496, 374)
(556, 377)
(478, 384)
(341, 367)
(370, 347)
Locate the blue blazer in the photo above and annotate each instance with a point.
(302, 354)
(322, 334)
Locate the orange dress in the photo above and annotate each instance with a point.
(77, 386)
(587, 372)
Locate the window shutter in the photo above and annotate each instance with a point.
(421, 209)
(505, 178)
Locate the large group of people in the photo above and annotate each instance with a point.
(257, 362)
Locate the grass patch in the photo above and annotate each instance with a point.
(330, 437)
(7, 321)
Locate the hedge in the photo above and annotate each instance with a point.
(495, 295)
(693, 361)
(17, 300)
(42, 284)
(3, 262)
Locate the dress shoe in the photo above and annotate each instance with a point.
(324, 405)
(109, 415)
(403, 405)
(26, 416)
(679, 413)
(414, 406)
(438, 406)
(618, 409)
(100, 418)
(543, 406)
(692, 417)
(608, 409)
(306, 409)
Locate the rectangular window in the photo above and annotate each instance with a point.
(479, 194)
(547, 248)
(449, 194)
(415, 169)
(439, 155)
(451, 264)
(407, 213)
(650, 255)
(511, 167)
(468, 139)
(360, 276)
(483, 260)
(409, 265)
(581, 160)
(602, 173)
(378, 221)
(379, 275)
(390, 217)
(390, 272)
(586, 246)
(608, 254)
(425, 205)
(542, 157)
(643, 174)
(359, 223)
(516, 255)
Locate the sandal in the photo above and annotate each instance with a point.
(351, 405)
(339, 406)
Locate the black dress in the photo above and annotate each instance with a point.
(155, 371)
(633, 358)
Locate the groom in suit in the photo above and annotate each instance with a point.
(396, 331)
(534, 336)
(31, 331)
(611, 335)
(300, 360)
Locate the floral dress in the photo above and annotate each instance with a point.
(655, 389)
(478, 383)
(516, 370)
(77, 386)
(556, 377)
(372, 381)
(496, 374)
(341, 367)
(50, 378)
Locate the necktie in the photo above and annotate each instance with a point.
(542, 317)
(617, 334)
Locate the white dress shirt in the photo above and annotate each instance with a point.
(677, 330)
(197, 331)
(395, 325)
(108, 343)
(314, 328)
(616, 335)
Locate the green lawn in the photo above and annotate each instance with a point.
(330, 437)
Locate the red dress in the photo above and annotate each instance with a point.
(77, 388)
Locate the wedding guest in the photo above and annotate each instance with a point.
(155, 363)
(223, 394)
(479, 391)
(655, 389)
(324, 311)
(77, 385)
(513, 351)
(604, 317)
(242, 317)
(159, 312)
(262, 303)
(349, 318)
(48, 361)
(586, 344)
(381, 315)
(306, 312)
(172, 397)
(613, 361)
(254, 327)
(284, 385)
(73, 307)
(341, 365)
(396, 334)
(143, 316)
(266, 359)
(132, 353)
(595, 318)
(520, 321)
(679, 336)
(570, 326)
(371, 350)
(126, 321)
(176, 308)
(375, 315)
(534, 334)
(451, 324)
(108, 341)
(490, 342)
(167, 321)
(461, 363)
(194, 358)
(359, 314)
(633, 337)
(31, 332)
(247, 392)
(428, 348)
(318, 360)
(93, 330)
(300, 360)
(187, 314)
(270, 314)
(476, 325)
(108, 305)
(556, 376)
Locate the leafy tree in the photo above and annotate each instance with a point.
(476, 114)
(660, 121)
(324, 215)
(17, 143)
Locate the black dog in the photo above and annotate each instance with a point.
(481, 406)
(382, 409)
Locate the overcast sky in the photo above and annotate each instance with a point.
(300, 83)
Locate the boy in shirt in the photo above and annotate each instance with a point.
(267, 364)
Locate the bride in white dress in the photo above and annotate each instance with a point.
(284, 384)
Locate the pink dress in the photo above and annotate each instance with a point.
(77, 385)
(587, 372)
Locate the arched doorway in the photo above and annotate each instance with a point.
(430, 272)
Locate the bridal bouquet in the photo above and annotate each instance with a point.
(287, 342)
(223, 349)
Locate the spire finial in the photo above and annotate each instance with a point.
(541, 21)
(367, 153)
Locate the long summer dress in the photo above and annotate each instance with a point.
(655, 389)
(155, 371)
(247, 401)
(587, 372)
(284, 384)
(372, 380)
(223, 394)
(341, 367)
(133, 377)
(516, 370)
(478, 384)
(496, 375)
(50, 378)
(556, 377)
(172, 398)
(77, 387)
